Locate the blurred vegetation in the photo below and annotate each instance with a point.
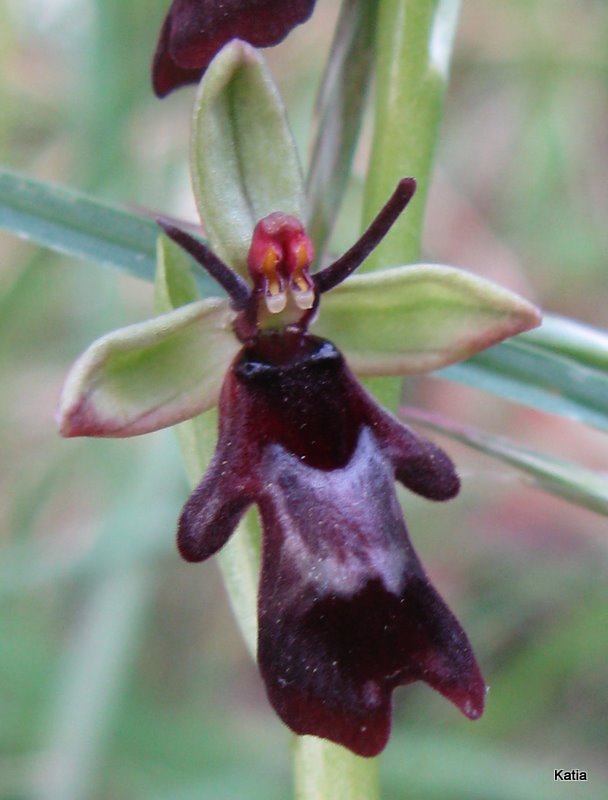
(121, 672)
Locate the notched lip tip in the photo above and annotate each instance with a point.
(368, 752)
(363, 746)
(473, 706)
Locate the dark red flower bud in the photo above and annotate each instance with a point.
(346, 612)
(195, 30)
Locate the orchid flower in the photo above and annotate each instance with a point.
(346, 611)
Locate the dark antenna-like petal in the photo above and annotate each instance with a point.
(213, 511)
(331, 276)
(233, 284)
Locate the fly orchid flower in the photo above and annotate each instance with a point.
(195, 30)
(346, 612)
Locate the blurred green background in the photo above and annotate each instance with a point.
(121, 672)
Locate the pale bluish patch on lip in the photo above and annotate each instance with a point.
(348, 529)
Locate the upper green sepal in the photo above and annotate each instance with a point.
(419, 318)
(243, 159)
(150, 375)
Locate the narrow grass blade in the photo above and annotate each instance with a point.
(72, 223)
(77, 225)
(340, 106)
(578, 485)
(528, 371)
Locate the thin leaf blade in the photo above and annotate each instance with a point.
(565, 479)
(75, 224)
(533, 374)
(340, 107)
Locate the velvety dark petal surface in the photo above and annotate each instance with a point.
(291, 391)
(302, 394)
(346, 611)
(213, 510)
(195, 30)
(419, 464)
(166, 74)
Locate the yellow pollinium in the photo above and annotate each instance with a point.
(274, 297)
(302, 260)
(269, 262)
(300, 281)
(269, 269)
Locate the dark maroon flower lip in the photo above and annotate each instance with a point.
(195, 30)
(346, 611)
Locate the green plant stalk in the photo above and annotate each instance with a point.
(239, 558)
(413, 49)
(325, 771)
(413, 53)
(340, 107)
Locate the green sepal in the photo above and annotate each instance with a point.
(419, 318)
(244, 161)
(150, 375)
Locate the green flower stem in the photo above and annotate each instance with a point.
(240, 557)
(413, 53)
(413, 49)
(325, 771)
(340, 107)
